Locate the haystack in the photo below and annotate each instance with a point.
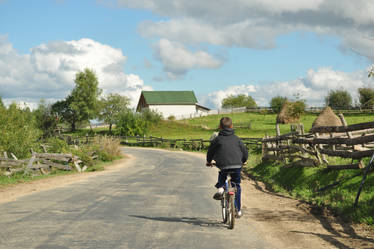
(284, 116)
(327, 118)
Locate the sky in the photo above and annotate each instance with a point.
(217, 48)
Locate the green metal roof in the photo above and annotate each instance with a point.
(169, 97)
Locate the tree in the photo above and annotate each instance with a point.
(366, 97)
(82, 104)
(18, 131)
(1, 104)
(240, 100)
(338, 99)
(64, 113)
(131, 124)
(276, 103)
(296, 109)
(46, 120)
(111, 106)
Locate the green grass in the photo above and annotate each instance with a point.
(203, 127)
(261, 124)
(20, 178)
(302, 183)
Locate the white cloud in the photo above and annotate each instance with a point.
(49, 70)
(177, 59)
(257, 23)
(313, 88)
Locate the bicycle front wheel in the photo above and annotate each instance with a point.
(231, 213)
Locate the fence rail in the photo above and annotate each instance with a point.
(40, 163)
(197, 144)
(300, 149)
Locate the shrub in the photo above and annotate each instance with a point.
(106, 148)
(131, 124)
(18, 131)
(152, 117)
(276, 103)
(171, 118)
(46, 120)
(338, 99)
(297, 108)
(366, 97)
(85, 153)
(240, 100)
(56, 145)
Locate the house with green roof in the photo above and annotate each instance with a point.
(180, 104)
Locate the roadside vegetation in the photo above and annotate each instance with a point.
(303, 183)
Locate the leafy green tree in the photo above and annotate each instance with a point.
(131, 124)
(366, 97)
(82, 104)
(85, 95)
(276, 103)
(111, 106)
(46, 120)
(240, 100)
(18, 131)
(64, 113)
(152, 117)
(338, 99)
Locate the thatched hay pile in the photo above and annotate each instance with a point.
(284, 116)
(327, 118)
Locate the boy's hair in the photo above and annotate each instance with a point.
(225, 123)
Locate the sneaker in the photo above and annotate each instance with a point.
(239, 214)
(219, 194)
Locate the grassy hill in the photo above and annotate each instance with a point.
(260, 125)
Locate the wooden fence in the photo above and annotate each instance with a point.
(151, 141)
(39, 163)
(300, 149)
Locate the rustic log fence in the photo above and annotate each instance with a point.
(300, 149)
(40, 163)
(151, 141)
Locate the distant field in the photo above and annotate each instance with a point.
(260, 124)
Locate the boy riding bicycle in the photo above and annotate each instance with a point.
(230, 154)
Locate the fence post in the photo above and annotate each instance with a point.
(341, 116)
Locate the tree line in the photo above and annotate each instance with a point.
(21, 128)
(336, 99)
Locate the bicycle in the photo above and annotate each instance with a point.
(228, 201)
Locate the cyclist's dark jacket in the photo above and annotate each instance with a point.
(227, 150)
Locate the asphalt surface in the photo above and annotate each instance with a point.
(162, 200)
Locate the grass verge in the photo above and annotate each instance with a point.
(20, 178)
(303, 184)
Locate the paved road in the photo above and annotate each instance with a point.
(162, 200)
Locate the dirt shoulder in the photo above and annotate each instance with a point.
(288, 223)
(12, 192)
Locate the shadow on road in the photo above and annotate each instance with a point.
(203, 222)
(338, 237)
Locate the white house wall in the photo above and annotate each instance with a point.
(178, 111)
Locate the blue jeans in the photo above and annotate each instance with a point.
(235, 178)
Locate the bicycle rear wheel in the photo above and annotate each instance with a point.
(231, 213)
(224, 209)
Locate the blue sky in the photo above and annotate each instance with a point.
(296, 52)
